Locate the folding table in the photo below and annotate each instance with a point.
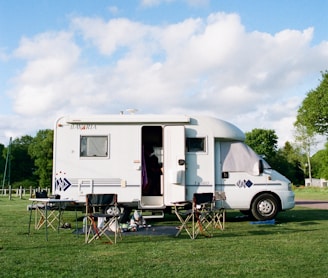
(48, 213)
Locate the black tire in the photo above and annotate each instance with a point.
(264, 207)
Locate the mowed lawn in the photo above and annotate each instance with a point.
(296, 246)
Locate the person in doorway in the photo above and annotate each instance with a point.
(154, 172)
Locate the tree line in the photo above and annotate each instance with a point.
(294, 160)
(29, 162)
(31, 157)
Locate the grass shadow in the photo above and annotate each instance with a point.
(305, 215)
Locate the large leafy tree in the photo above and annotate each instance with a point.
(320, 163)
(285, 160)
(313, 113)
(21, 164)
(41, 151)
(305, 139)
(263, 141)
(290, 162)
(2, 161)
(312, 119)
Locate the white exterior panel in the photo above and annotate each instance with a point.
(103, 154)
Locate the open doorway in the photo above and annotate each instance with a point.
(152, 160)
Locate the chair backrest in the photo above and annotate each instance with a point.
(202, 198)
(220, 196)
(101, 201)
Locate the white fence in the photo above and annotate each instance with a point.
(21, 192)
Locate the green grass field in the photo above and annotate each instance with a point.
(311, 193)
(296, 246)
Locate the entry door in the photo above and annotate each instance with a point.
(219, 187)
(174, 164)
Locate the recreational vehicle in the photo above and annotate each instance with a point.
(108, 154)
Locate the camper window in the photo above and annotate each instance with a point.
(94, 146)
(195, 144)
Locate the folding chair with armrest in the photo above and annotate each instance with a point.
(219, 211)
(197, 218)
(203, 206)
(183, 210)
(102, 215)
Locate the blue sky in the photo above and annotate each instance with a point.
(248, 62)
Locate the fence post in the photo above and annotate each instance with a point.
(30, 191)
(20, 192)
(9, 192)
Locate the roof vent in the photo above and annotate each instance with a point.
(131, 110)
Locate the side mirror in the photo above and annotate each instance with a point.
(261, 167)
(181, 162)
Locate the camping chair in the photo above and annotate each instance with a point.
(102, 215)
(196, 217)
(183, 210)
(219, 211)
(202, 217)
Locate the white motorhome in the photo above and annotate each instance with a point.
(104, 154)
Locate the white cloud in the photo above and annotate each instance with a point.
(51, 59)
(110, 36)
(198, 66)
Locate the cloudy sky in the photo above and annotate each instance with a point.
(250, 62)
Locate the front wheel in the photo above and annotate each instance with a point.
(264, 207)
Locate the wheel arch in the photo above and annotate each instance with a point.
(267, 192)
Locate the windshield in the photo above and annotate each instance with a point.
(266, 165)
(238, 157)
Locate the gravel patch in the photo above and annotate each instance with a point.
(312, 204)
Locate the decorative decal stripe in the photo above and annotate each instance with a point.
(244, 183)
(199, 185)
(254, 184)
(62, 184)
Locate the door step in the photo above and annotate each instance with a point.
(151, 214)
(152, 207)
(154, 202)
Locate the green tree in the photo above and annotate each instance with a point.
(263, 141)
(293, 168)
(320, 163)
(305, 139)
(2, 161)
(284, 160)
(21, 164)
(41, 150)
(313, 113)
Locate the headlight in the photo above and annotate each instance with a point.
(289, 187)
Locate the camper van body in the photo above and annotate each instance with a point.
(104, 154)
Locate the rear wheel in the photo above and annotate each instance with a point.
(264, 207)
